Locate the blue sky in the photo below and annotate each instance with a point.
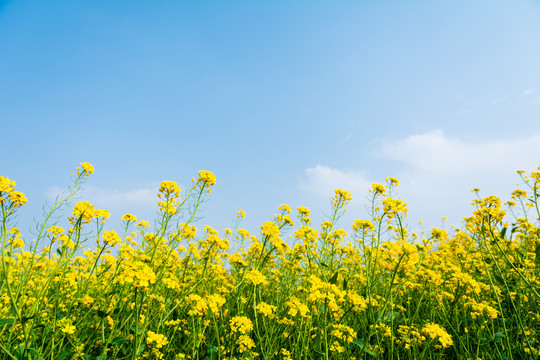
(283, 100)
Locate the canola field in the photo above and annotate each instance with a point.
(368, 290)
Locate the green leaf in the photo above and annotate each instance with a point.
(498, 336)
(333, 279)
(391, 316)
(503, 232)
(141, 331)
(26, 318)
(211, 351)
(64, 354)
(119, 340)
(344, 284)
(6, 321)
(18, 353)
(141, 349)
(324, 265)
(362, 346)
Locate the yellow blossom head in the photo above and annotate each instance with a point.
(169, 188)
(6, 185)
(378, 188)
(207, 178)
(129, 218)
(17, 198)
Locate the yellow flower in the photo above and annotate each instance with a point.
(518, 193)
(6, 185)
(143, 224)
(84, 211)
(17, 198)
(138, 273)
(88, 169)
(307, 233)
(68, 329)
(343, 332)
(169, 188)
(103, 214)
(241, 214)
(286, 208)
(394, 206)
(244, 343)
(255, 277)
(284, 219)
(237, 260)
(129, 218)
(437, 331)
(207, 178)
(16, 242)
(297, 307)
(55, 230)
(197, 305)
(215, 302)
(269, 228)
(241, 324)
(378, 188)
(158, 340)
(341, 197)
(303, 211)
(393, 181)
(365, 225)
(110, 237)
(266, 309)
(439, 234)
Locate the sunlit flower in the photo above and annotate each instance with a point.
(207, 178)
(129, 218)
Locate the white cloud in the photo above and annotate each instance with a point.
(323, 180)
(438, 173)
(435, 153)
(528, 92)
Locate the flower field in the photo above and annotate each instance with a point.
(369, 290)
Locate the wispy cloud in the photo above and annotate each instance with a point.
(323, 180)
(528, 92)
(436, 153)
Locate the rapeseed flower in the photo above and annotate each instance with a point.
(17, 198)
(207, 178)
(157, 340)
(241, 325)
(378, 189)
(110, 237)
(255, 277)
(129, 218)
(435, 331)
(88, 169)
(83, 211)
(266, 309)
(6, 185)
(394, 206)
(270, 229)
